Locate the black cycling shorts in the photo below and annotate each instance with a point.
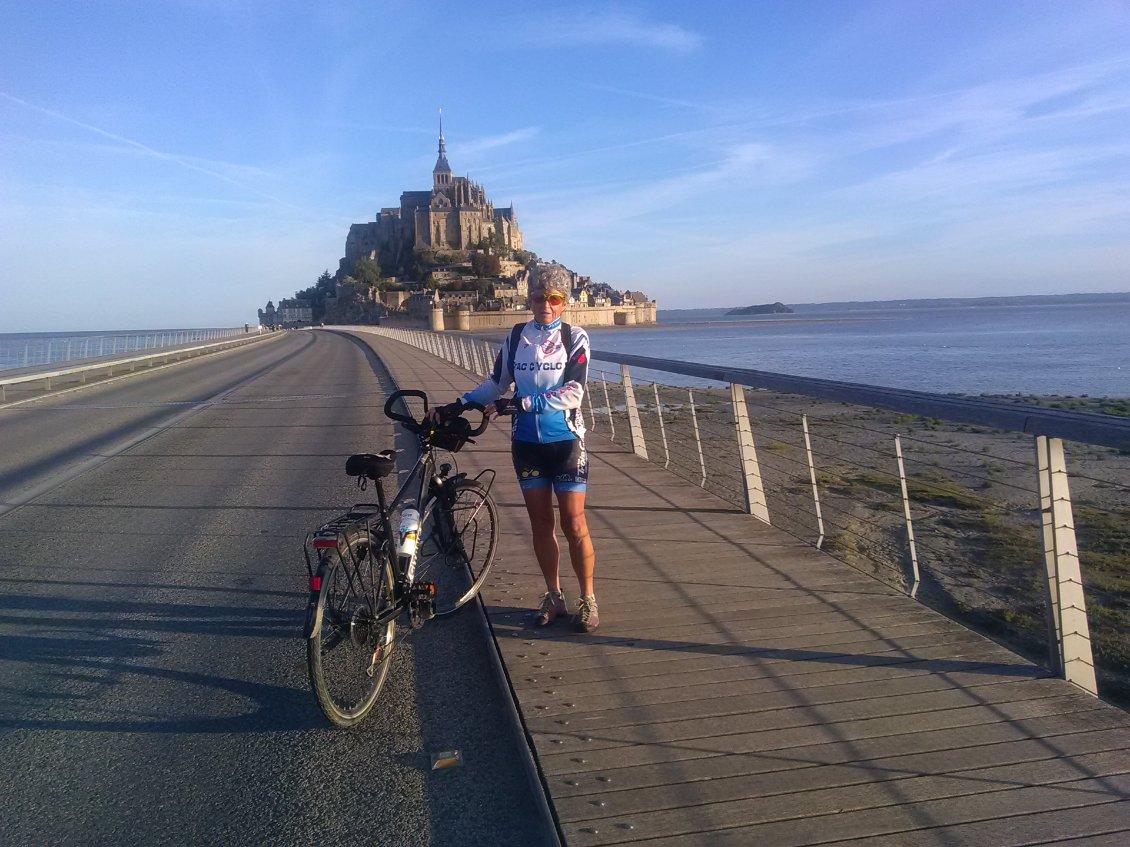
(564, 465)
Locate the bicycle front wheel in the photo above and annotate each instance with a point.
(458, 537)
(347, 654)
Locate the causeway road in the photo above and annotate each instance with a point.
(152, 589)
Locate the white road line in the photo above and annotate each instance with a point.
(90, 462)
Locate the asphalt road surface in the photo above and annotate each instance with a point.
(153, 686)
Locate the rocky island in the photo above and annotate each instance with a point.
(763, 309)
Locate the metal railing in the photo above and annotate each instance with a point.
(963, 503)
(29, 351)
(49, 377)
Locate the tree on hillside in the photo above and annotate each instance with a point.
(497, 242)
(483, 264)
(316, 295)
(368, 273)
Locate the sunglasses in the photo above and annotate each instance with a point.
(551, 299)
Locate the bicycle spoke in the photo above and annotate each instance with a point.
(348, 654)
(448, 527)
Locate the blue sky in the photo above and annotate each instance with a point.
(179, 162)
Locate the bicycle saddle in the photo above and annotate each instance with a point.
(371, 465)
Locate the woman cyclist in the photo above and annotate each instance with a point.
(547, 363)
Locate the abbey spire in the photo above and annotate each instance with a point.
(441, 173)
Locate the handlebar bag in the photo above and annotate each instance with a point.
(452, 435)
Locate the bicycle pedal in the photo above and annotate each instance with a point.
(423, 601)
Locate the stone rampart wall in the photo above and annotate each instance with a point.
(468, 321)
(464, 320)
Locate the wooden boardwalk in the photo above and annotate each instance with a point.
(746, 689)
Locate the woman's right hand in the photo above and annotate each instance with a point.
(440, 414)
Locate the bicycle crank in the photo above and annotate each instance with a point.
(421, 603)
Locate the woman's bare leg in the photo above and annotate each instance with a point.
(543, 524)
(576, 527)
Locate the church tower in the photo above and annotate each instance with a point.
(441, 173)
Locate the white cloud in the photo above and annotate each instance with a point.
(201, 166)
(477, 146)
(603, 28)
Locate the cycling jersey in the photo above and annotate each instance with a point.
(548, 380)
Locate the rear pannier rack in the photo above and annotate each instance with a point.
(335, 534)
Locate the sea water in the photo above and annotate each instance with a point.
(1066, 349)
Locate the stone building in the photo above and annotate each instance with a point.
(455, 214)
(294, 312)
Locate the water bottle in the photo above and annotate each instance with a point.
(409, 529)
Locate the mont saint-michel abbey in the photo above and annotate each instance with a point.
(447, 257)
(454, 215)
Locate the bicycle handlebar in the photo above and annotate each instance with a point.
(416, 425)
(396, 395)
(478, 407)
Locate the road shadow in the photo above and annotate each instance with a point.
(63, 654)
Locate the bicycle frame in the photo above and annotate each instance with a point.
(336, 535)
(426, 481)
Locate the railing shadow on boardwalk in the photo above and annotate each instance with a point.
(748, 688)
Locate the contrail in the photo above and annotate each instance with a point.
(137, 145)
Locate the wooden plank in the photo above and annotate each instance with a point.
(812, 791)
(934, 752)
(916, 810)
(840, 740)
(801, 675)
(689, 702)
(846, 651)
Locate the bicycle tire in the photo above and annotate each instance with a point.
(344, 674)
(458, 540)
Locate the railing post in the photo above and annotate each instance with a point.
(592, 415)
(473, 351)
(755, 502)
(812, 476)
(1068, 629)
(662, 429)
(697, 438)
(608, 405)
(634, 428)
(914, 576)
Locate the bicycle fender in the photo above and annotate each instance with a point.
(313, 615)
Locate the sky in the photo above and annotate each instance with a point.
(180, 162)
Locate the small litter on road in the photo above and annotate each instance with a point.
(446, 759)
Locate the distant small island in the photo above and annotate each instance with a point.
(763, 309)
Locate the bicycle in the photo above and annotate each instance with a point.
(363, 578)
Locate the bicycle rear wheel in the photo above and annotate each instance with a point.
(347, 654)
(458, 537)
